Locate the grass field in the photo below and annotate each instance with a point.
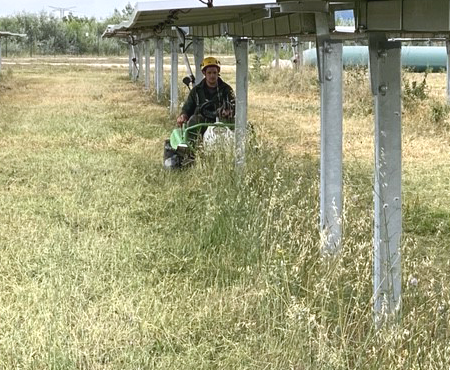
(109, 262)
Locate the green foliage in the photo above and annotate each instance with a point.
(439, 114)
(424, 113)
(219, 46)
(344, 18)
(257, 72)
(426, 221)
(48, 35)
(345, 22)
(414, 91)
(285, 52)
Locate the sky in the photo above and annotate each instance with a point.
(81, 8)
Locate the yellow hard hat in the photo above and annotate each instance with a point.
(208, 62)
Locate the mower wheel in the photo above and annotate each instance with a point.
(171, 159)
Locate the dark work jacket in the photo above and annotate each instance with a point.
(201, 94)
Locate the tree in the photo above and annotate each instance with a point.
(49, 35)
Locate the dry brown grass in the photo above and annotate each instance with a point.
(291, 120)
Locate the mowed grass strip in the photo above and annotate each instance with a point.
(109, 262)
(74, 144)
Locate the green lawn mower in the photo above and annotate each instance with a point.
(180, 148)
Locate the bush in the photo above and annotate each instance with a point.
(257, 72)
(439, 114)
(414, 91)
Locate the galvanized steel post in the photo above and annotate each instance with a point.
(147, 64)
(130, 61)
(277, 54)
(241, 54)
(199, 52)
(134, 61)
(174, 77)
(385, 69)
(159, 68)
(140, 58)
(330, 76)
(447, 44)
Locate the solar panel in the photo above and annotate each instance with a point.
(4, 34)
(159, 16)
(272, 18)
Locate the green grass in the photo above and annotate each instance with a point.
(109, 262)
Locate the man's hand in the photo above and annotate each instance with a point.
(226, 113)
(182, 118)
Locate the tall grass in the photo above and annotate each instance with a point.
(109, 262)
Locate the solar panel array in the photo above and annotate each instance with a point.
(274, 18)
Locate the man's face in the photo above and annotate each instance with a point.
(211, 76)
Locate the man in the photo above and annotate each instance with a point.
(211, 89)
(210, 99)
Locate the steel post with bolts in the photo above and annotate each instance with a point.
(174, 77)
(140, 58)
(241, 53)
(159, 68)
(147, 64)
(199, 52)
(130, 61)
(447, 44)
(385, 71)
(329, 56)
